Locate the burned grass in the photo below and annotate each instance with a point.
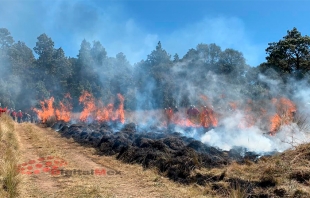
(188, 161)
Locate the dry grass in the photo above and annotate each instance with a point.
(9, 152)
(302, 121)
(283, 175)
(288, 171)
(237, 191)
(37, 137)
(50, 121)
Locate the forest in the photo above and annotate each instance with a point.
(159, 81)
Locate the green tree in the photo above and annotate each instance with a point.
(86, 70)
(231, 62)
(121, 78)
(22, 60)
(98, 53)
(176, 58)
(6, 40)
(158, 56)
(85, 52)
(209, 55)
(53, 68)
(291, 55)
(44, 46)
(45, 49)
(62, 68)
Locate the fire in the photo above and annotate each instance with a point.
(208, 118)
(120, 113)
(102, 113)
(287, 107)
(254, 114)
(275, 123)
(185, 122)
(285, 112)
(47, 110)
(92, 110)
(88, 102)
(63, 113)
(205, 118)
(99, 112)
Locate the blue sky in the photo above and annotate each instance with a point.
(135, 26)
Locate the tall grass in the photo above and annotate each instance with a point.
(9, 176)
(302, 121)
(236, 190)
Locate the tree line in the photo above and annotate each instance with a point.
(159, 81)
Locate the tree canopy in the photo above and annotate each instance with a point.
(158, 81)
(290, 55)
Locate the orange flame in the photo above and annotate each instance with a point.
(120, 113)
(208, 118)
(64, 112)
(90, 110)
(88, 102)
(100, 112)
(47, 110)
(275, 123)
(285, 110)
(186, 122)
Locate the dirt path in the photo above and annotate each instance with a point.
(83, 173)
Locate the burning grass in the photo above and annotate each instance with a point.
(233, 173)
(93, 110)
(266, 115)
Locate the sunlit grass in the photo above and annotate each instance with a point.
(9, 175)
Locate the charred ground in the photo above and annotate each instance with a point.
(189, 161)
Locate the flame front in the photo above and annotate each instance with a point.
(90, 112)
(280, 112)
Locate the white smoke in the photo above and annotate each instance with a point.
(254, 139)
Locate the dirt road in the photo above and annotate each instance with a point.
(53, 166)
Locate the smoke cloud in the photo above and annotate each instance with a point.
(69, 22)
